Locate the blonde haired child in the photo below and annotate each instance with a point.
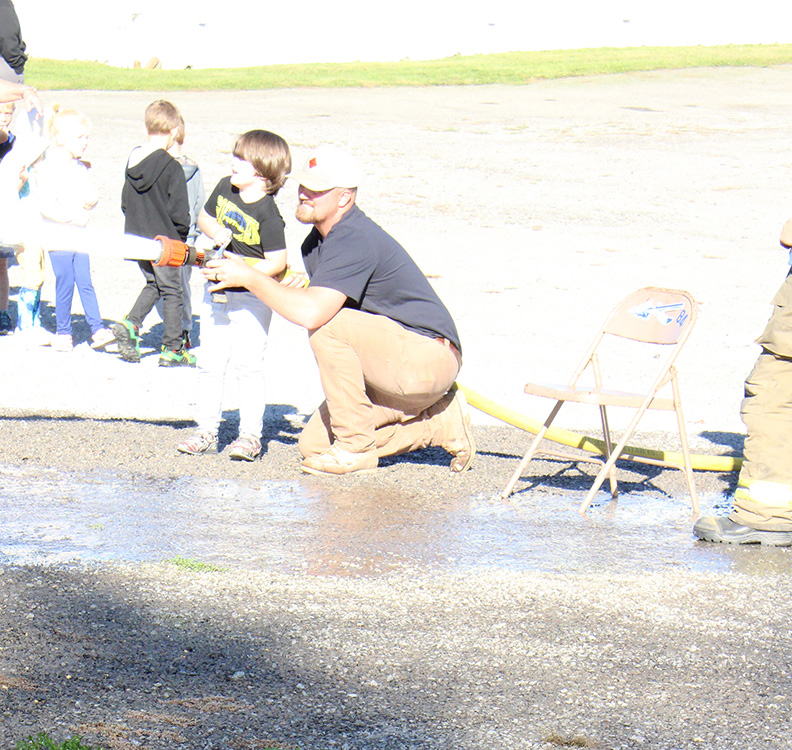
(66, 199)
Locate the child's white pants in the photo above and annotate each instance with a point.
(233, 341)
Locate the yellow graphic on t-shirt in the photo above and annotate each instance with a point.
(244, 227)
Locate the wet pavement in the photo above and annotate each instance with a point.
(50, 517)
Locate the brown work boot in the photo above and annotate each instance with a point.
(453, 423)
(336, 460)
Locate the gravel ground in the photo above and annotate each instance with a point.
(531, 209)
(154, 657)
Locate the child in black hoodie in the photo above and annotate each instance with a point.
(154, 202)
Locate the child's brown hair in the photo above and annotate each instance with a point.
(178, 136)
(162, 117)
(268, 153)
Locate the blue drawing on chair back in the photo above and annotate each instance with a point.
(660, 312)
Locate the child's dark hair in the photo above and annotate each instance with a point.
(268, 153)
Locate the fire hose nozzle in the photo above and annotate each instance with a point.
(176, 253)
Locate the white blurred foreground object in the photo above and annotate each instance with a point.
(160, 251)
(98, 242)
(18, 214)
(28, 127)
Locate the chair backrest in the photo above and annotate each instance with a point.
(654, 316)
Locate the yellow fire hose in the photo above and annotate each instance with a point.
(583, 442)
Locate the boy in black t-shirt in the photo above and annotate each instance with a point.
(241, 213)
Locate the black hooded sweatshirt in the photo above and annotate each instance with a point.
(12, 48)
(154, 197)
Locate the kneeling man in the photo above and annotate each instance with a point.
(387, 348)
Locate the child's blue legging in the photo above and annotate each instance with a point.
(70, 269)
(28, 308)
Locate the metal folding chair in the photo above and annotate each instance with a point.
(664, 317)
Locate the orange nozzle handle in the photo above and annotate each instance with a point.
(174, 252)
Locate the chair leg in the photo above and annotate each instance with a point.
(608, 449)
(531, 451)
(685, 450)
(605, 427)
(609, 464)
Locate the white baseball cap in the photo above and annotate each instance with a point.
(328, 167)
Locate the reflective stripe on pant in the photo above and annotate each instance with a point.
(379, 380)
(764, 496)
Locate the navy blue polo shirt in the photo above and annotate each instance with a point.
(377, 275)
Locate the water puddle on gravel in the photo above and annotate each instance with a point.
(53, 517)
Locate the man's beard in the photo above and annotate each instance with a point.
(304, 214)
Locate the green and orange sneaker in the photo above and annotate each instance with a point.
(176, 358)
(128, 339)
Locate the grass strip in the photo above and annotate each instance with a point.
(513, 68)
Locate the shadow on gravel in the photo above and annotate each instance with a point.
(731, 440)
(112, 659)
(157, 657)
(634, 479)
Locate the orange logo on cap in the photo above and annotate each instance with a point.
(312, 163)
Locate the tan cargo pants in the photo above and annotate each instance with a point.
(764, 495)
(380, 383)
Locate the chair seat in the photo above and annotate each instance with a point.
(599, 396)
